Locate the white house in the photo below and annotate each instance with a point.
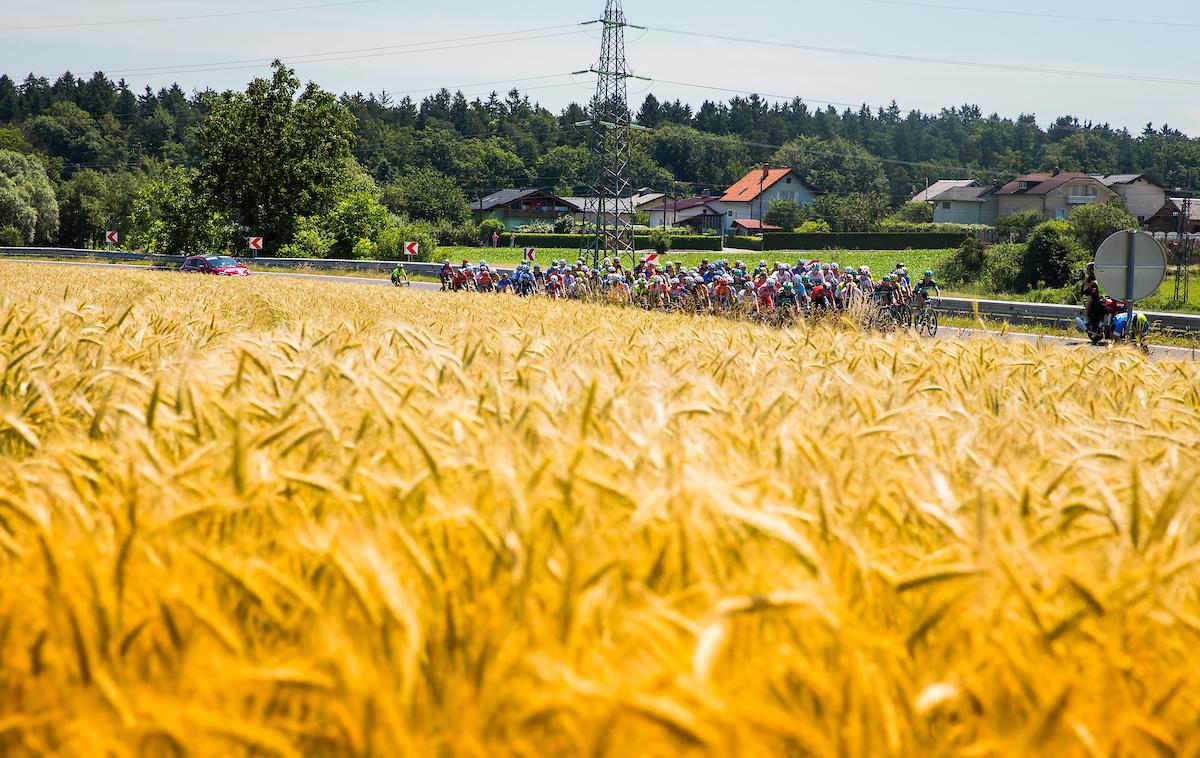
(751, 198)
(704, 213)
(942, 185)
(965, 205)
(1142, 197)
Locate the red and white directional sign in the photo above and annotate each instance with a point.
(256, 243)
(112, 237)
(412, 248)
(531, 254)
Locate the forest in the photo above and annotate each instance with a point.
(143, 162)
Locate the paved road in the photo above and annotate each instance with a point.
(1177, 353)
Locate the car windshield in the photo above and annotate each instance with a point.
(223, 261)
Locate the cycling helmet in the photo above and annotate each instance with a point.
(788, 286)
(612, 270)
(887, 278)
(834, 266)
(929, 274)
(554, 277)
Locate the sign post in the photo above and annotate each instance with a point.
(1131, 266)
(256, 244)
(412, 248)
(530, 254)
(112, 237)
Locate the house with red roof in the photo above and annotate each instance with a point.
(1054, 195)
(751, 197)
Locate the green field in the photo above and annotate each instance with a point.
(880, 261)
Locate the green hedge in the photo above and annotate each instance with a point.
(642, 242)
(698, 242)
(864, 241)
(744, 243)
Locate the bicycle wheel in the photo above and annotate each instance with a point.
(931, 323)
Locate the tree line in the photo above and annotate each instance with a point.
(344, 175)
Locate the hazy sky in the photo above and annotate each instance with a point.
(912, 29)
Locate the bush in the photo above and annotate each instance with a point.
(1052, 255)
(490, 226)
(786, 214)
(820, 226)
(1018, 226)
(427, 195)
(364, 250)
(10, 236)
(660, 239)
(912, 228)
(311, 240)
(564, 224)
(967, 263)
(1002, 271)
(1096, 222)
(912, 213)
(861, 241)
(389, 246)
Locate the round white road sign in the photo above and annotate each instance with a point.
(1126, 251)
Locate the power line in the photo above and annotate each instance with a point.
(494, 35)
(359, 54)
(924, 59)
(1034, 14)
(161, 19)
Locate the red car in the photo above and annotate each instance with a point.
(216, 265)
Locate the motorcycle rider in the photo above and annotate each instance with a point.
(1092, 298)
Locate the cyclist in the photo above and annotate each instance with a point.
(399, 277)
(447, 274)
(1141, 328)
(723, 294)
(923, 289)
(886, 292)
(787, 302)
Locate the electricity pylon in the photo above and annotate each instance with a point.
(608, 229)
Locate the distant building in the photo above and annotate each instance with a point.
(626, 208)
(1054, 195)
(751, 197)
(1167, 219)
(1142, 197)
(752, 227)
(968, 204)
(701, 214)
(942, 185)
(518, 207)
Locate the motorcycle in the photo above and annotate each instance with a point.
(1104, 332)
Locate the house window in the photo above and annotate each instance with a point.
(1060, 214)
(1023, 185)
(945, 205)
(787, 195)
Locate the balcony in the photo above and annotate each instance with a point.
(1082, 199)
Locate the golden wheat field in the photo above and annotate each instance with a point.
(254, 518)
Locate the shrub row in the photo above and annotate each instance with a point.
(642, 242)
(744, 243)
(863, 241)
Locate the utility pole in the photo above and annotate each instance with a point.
(1183, 253)
(609, 126)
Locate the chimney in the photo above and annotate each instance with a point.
(1056, 172)
(766, 171)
